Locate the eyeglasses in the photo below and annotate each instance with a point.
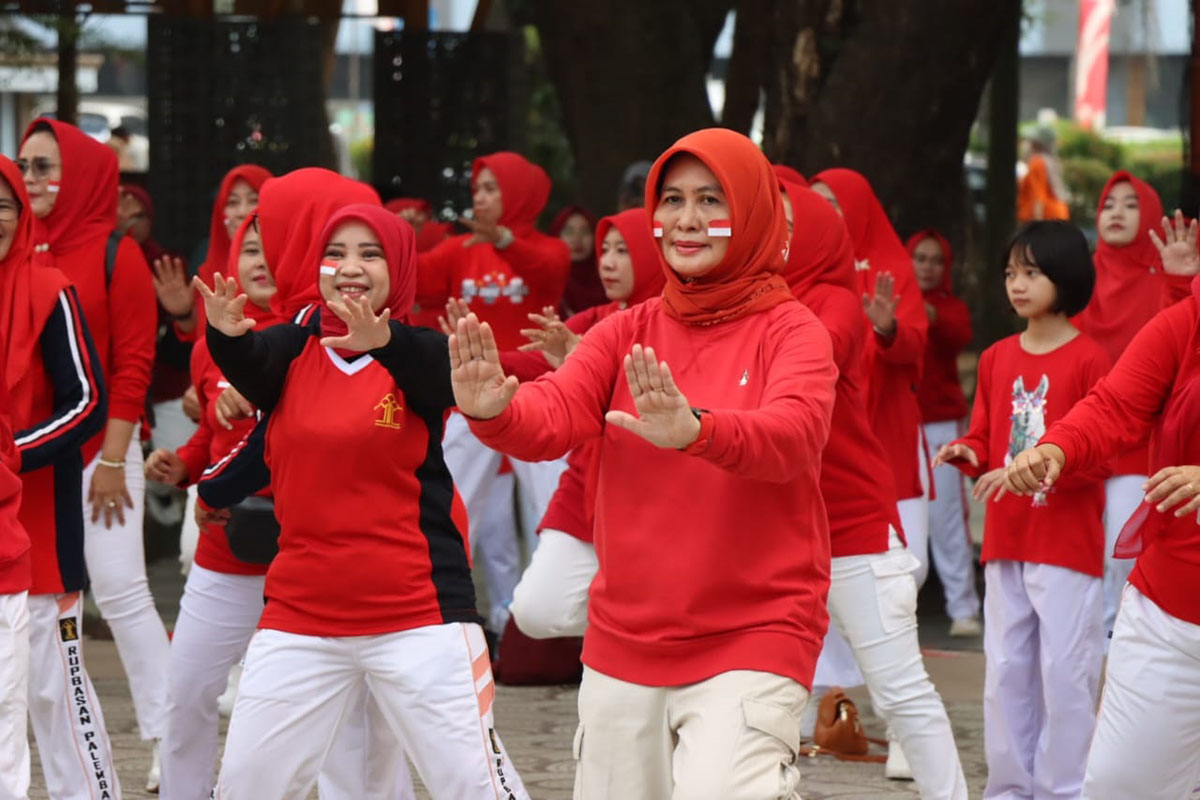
(9, 211)
(40, 165)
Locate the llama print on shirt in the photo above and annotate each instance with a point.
(1028, 422)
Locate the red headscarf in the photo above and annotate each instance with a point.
(151, 249)
(747, 280)
(86, 208)
(432, 233)
(877, 248)
(398, 204)
(297, 206)
(583, 289)
(820, 249)
(788, 175)
(648, 276)
(399, 243)
(946, 287)
(265, 317)
(218, 235)
(1127, 293)
(28, 294)
(524, 189)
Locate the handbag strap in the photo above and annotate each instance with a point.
(817, 750)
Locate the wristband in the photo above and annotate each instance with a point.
(704, 439)
(104, 462)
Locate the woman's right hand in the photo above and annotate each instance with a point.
(224, 306)
(955, 452)
(553, 338)
(1177, 248)
(229, 406)
(481, 389)
(166, 467)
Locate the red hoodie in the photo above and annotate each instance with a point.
(716, 557)
(1130, 289)
(940, 395)
(502, 286)
(896, 361)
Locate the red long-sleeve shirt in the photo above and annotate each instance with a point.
(1018, 395)
(708, 562)
(940, 394)
(1122, 409)
(208, 444)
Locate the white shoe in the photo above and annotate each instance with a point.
(229, 696)
(966, 628)
(155, 775)
(896, 768)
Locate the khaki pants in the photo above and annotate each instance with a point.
(732, 736)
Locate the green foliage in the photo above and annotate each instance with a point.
(361, 154)
(1077, 143)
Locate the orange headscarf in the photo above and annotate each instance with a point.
(748, 279)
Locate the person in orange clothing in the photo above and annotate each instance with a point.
(504, 269)
(1041, 193)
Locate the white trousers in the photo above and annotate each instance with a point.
(218, 614)
(64, 709)
(433, 685)
(836, 666)
(14, 696)
(914, 518)
(116, 563)
(734, 736)
(493, 533)
(189, 533)
(1122, 495)
(873, 603)
(1043, 648)
(949, 534)
(1147, 742)
(552, 598)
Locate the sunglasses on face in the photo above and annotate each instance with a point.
(40, 165)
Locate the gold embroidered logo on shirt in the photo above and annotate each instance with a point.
(390, 407)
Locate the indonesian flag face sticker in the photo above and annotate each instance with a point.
(720, 227)
(658, 232)
(329, 268)
(54, 187)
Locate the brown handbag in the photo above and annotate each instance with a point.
(839, 731)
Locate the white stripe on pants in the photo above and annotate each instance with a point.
(64, 709)
(116, 563)
(1042, 643)
(1147, 742)
(493, 533)
(873, 602)
(433, 685)
(949, 536)
(552, 598)
(217, 616)
(1122, 495)
(14, 696)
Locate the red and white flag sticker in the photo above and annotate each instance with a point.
(658, 233)
(53, 186)
(720, 227)
(329, 268)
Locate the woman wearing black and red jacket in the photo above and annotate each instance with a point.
(395, 606)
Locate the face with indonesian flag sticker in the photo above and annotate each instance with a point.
(692, 217)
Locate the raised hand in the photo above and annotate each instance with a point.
(456, 309)
(989, 483)
(955, 452)
(482, 232)
(665, 418)
(1034, 470)
(1177, 248)
(481, 389)
(553, 338)
(230, 406)
(880, 307)
(1171, 486)
(224, 306)
(171, 285)
(166, 467)
(367, 330)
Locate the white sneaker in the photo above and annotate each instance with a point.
(966, 628)
(155, 775)
(896, 768)
(229, 696)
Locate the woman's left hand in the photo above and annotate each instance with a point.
(1174, 485)
(368, 330)
(173, 288)
(881, 306)
(482, 232)
(108, 494)
(665, 418)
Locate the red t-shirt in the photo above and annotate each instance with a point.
(1019, 394)
(708, 562)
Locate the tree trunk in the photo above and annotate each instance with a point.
(630, 77)
(67, 100)
(748, 64)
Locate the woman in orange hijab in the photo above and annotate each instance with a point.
(695, 678)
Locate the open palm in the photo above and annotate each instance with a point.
(481, 390)
(224, 306)
(664, 417)
(366, 330)
(1177, 248)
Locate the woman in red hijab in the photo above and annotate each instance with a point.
(503, 270)
(396, 607)
(56, 402)
(1131, 288)
(1148, 731)
(430, 234)
(72, 184)
(897, 317)
(576, 227)
(694, 679)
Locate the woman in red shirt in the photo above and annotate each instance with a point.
(694, 684)
(1148, 731)
(396, 608)
(576, 227)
